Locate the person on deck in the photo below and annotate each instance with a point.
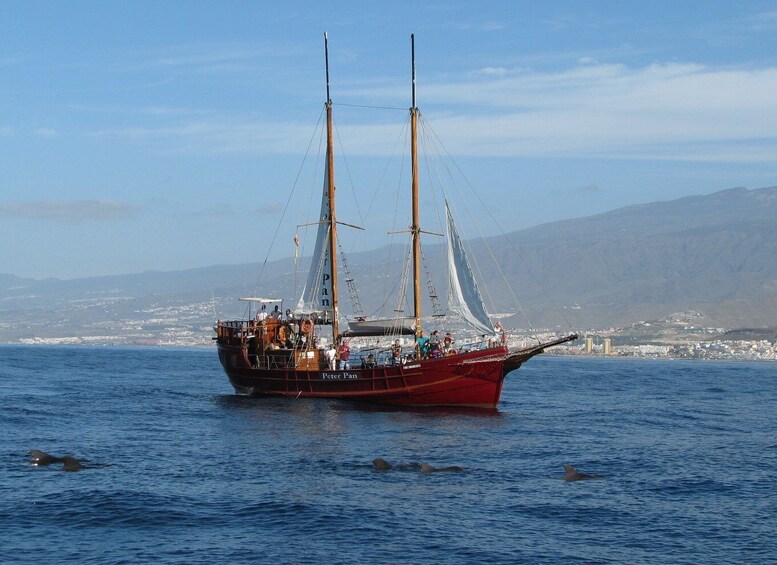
(447, 343)
(396, 353)
(330, 355)
(261, 316)
(499, 329)
(276, 313)
(344, 352)
(422, 345)
(434, 344)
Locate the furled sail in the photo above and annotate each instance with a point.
(382, 327)
(463, 295)
(317, 294)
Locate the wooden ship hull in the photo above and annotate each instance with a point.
(469, 379)
(473, 380)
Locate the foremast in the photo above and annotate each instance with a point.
(415, 227)
(330, 159)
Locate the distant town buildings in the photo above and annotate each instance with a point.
(720, 350)
(592, 348)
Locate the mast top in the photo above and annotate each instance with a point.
(412, 56)
(326, 58)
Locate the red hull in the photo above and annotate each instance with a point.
(472, 379)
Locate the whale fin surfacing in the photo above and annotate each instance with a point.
(40, 458)
(71, 464)
(572, 474)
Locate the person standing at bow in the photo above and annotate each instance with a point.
(344, 353)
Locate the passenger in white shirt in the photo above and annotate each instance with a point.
(331, 354)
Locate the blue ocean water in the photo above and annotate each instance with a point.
(186, 472)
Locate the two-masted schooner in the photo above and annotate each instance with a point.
(277, 354)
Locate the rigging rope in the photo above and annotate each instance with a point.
(286, 207)
(432, 149)
(436, 308)
(348, 170)
(353, 293)
(402, 295)
(433, 136)
(389, 250)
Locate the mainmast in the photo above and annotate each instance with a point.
(330, 159)
(415, 228)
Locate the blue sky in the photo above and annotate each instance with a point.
(167, 135)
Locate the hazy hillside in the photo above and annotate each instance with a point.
(714, 254)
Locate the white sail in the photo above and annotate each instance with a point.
(317, 294)
(463, 295)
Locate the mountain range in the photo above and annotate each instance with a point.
(714, 255)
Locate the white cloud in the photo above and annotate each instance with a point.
(48, 133)
(270, 208)
(68, 211)
(483, 26)
(764, 21)
(9, 61)
(491, 26)
(214, 58)
(167, 111)
(663, 110)
(493, 72)
(216, 136)
(610, 110)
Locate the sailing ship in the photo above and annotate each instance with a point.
(278, 353)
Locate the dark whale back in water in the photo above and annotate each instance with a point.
(572, 474)
(71, 464)
(380, 464)
(40, 458)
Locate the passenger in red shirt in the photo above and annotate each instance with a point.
(344, 353)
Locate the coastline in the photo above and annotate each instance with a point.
(568, 352)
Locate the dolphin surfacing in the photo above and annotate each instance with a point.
(572, 474)
(41, 458)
